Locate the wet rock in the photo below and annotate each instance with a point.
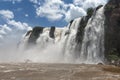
(35, 34)
(117, 63)
(71, 23)
(67, 32)
(52, 31)
(100, 64)
(99, 7)
(28, 33)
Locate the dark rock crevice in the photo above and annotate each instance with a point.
(52, 31)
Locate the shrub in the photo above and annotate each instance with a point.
(113, 55)
(109, 8)
(90, 11)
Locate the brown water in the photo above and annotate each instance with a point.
(37, 71)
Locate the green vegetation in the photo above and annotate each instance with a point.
(109, 7)
(113, 55)
(90, 11)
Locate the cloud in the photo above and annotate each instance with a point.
(2, 32)
(26, 15)
(35, 1)
(74, 12)
(13, 1)
(19, 25)
(57, 9)
(89, 3)
(6, 14)
(51, 9)
(5, 27)
(11, 30)
(1, 37)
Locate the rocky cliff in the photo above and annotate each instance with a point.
(112, 29)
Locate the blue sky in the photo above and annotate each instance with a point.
(25, 11)
(35, 12)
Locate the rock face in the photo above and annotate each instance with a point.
(112, 28)
(51, 33)
(71, 23)
(35, 34)
(28, 33)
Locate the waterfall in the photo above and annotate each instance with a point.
(59, 45)
(69, 41)
(92, 50)
(92, 45)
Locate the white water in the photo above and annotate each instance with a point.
(69, 43)
(92, 50)
(58, 50)
(62, 48)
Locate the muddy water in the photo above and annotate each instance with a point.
(37, 71)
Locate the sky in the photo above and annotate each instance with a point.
(19, 16)
(47, 13)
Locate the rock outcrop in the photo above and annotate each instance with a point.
(51, 32)
(35, 34)
(112, 29)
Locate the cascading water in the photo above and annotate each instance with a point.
(63, 47)
(69, 41)
(92, 50)
(60, 46)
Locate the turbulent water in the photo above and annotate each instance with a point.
(92, 50)
(62, 49)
